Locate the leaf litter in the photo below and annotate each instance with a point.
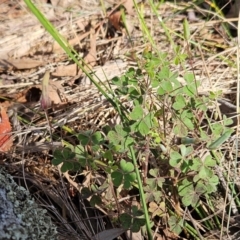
(27, 52)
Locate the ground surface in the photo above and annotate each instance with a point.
(97, 34)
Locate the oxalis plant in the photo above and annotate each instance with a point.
(155, 147)
(159, 136)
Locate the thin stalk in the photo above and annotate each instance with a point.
(143, 24)
(209, 202)
(170, 39)
(202, 215)
(148, 226)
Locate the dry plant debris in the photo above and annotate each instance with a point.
(5, 131)
(27, 52)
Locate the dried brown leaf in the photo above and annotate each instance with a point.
(69, 70)
(109, 234)
(5, 129)
(128, 4)
(24, 63)
(90, 59)
(54, 89)
(170, 235)
(115, 19)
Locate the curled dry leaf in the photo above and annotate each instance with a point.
(5, 129)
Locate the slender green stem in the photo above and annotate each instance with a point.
(148, 227)
(143, 25)
(170, 39)
(217, 222)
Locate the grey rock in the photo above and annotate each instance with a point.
(20, 217)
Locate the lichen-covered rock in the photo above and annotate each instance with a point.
(20, 216)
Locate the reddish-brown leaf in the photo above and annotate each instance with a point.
(5, 129)
(115, 19)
